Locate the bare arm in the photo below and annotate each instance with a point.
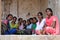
(54, 23)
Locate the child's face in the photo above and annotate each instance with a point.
(39, 16)
(24, 22)
(27, 22)
(31, 21)
(34, 20)
(10, 18)
(14, 19)
(21, 20)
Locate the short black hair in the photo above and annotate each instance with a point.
(31, 18)
(35, 18)
(14, 17)
(40, 13)
(24, 20)
(28, 20)
(50, 11)
(9, 15)
(20, 19)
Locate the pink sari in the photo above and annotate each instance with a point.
(49, 29)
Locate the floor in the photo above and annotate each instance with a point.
(29, 37)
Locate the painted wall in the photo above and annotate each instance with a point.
(55, 5)
(32, 6)
(25, 7)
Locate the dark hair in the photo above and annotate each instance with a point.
(14, 17)
(9, 15)
(31, 18)
(28, 20)
(35, 18)
(40, 13)
(20, 19)
(50, 11)
(24, 21)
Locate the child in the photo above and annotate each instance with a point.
(7, 22)
(34, 25)
(20, 24)
(40, 23)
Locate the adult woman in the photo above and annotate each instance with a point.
(40, 23)
(52, 25)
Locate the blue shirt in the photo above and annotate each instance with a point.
(29, 26)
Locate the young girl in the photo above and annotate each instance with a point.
(28, 30)
(40, 23)
(20, 24)
(13, 26)
(13, 23)
(24, 24)
(34, 25)
(7, 23)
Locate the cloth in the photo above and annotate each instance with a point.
(21, 27)
(49, 29)
(29, 26)
(34, 26)
(13, 25)
(40, 27)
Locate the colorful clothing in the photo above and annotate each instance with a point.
(34, 26)
(29, 26)
(49, 29)
(11, 31)
(5, 21)
(40, 26)
(13, 25)
(21, 27)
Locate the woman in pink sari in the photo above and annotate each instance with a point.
(52, 24)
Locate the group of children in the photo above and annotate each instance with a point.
(31, 26)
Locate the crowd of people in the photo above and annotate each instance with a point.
(31, 26)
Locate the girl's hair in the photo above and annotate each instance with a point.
(35, 18)
(24, 21)
(31, 18)
(29, 21)
(50, 11)
(40, 13)
(14, 17)
(20, 19)
(9, 15)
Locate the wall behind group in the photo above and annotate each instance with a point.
(26, 8)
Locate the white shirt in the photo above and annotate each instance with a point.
(41, 25)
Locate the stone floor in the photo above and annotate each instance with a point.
(29, 37)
